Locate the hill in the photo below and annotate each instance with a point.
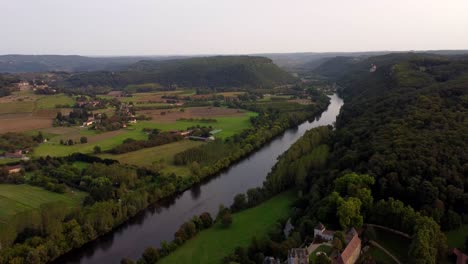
(68, 63)
(218, 71)
(405, 124)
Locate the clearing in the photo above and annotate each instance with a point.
(211, 245)
(395, 244)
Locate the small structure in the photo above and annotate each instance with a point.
(132, 121)
(373, 68)
(321, 232)
(298, 256)
(89, 122)
(201, 138)
(14, 169)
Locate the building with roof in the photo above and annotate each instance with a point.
(14, 169)
(352, 251)
(321, 232)
(17, 154)
(298, 256)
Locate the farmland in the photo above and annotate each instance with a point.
(161, 154)
(211, 245)
(229, 125)
(18, 198)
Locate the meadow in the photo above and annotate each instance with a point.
(395, 244)
(211, 245)
(163, 154)
(18, 198)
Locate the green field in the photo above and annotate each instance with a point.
(17, 198)
(108, 140)
(395, 244)
(456, 238)
(50, 101)
(211, 245)
(8, 160)
(379, 256)
(322, 248)
(164, 153)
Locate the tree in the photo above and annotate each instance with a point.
(240, 202)
(97, 150)
(127, 261)
(206, 219)
(150, 255)
(337, 244)
(83, 140)
(349, 214)
(226, 220)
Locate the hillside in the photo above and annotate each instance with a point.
(68, 63)
(219, 71)
(405, 124)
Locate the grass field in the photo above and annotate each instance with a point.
(50, 101)
(380, 257)
(397, 245)
(164, 153)
(8, 160)
(322, 248)
(211, 245)
(18, 198)
(456, 238)
(107, 140)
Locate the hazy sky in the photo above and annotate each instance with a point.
(162, 27)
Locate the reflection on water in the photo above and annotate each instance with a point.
(159, 222)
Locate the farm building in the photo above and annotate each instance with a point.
(201, 138)
(353, 247)
(14, 169)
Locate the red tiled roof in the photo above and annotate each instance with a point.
(349, 250)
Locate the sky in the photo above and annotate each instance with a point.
(184, 27)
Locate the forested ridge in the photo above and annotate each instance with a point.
(218, 71)
(406, 125)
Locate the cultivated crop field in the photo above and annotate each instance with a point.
(25, 111)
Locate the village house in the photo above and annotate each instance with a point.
(321, 232)
(89, 122)
(14, 169)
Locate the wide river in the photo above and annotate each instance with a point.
(160, 222)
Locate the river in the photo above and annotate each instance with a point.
(160, 222)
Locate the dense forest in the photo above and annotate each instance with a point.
(405, 124)
(219, 71)
(397, 157)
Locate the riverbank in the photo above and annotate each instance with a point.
(118, 247)
(212, 245)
